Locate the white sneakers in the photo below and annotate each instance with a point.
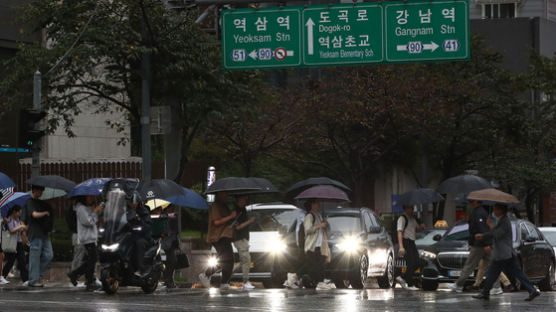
(455, 287)
(205, 281)
(3, 281)
(291, 282)
(413, 288)
(325, 285)
(224, 286)
(248, 286)
(496, 291)
(25, 284)
(402, 282)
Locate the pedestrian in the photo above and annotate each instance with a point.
(220, 235)
(407, 226)
(3, 281)
(87, 232)
(298, 261)
(15, 225)
(478, 249)
(170, 242)
(241, 238)
(37, 215)
(316, 245)
(78, 249)
(503, 254)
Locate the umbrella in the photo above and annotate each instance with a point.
(159, 188)
(52, 181)
(50, 193)
(493, 195)
(16, 199)
(305, 184)
(420, 196)
(463, 184)
(191, 200)
(324, 192)
(231, 184)
(265, 185)
(5, 181)
(155, 203)
(89, 187)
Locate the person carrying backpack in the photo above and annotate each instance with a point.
(316, 244)
(407, 227)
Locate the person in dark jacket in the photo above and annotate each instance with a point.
(479, 249)
(503, 254)
(139, 220)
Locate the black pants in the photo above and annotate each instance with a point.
(314, 265)
(168, 275)
(141, 245)
(411, 260)
(225, 255)
(88, 267)
(21, 262)
(511, 268)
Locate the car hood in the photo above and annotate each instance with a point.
(448, 245)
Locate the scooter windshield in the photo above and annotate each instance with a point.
(114, 214)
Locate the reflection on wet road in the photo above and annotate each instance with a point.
(348, 300)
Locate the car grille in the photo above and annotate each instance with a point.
(452, 260)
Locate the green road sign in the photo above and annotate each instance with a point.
(263, 38)
(427, 31)
(342, 34)
(345, 34)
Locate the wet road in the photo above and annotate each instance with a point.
(132, 299)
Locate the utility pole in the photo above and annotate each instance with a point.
(36, 149)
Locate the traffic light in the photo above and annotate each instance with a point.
(28, 118)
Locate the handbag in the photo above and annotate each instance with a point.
(9, 242)
(182, 261)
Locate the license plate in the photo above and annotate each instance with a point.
(454, 273)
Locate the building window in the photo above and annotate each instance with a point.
(499, 10)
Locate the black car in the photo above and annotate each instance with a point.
(360, 247)
(423, 239)
(445, 259)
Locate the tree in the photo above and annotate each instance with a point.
(93, 58)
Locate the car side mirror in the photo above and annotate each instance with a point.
(437, 237)
(375, 229)
(530, 239)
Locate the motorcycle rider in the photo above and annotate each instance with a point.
(139, 220)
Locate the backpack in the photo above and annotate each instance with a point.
(301, 235)
(71, 218)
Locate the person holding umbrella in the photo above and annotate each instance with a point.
(16, 226)
(503, 254)
(220, 235)
(407, 227)
(241, 238)
(316, 243)
(37, 215)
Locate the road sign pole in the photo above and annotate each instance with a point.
(35, 149)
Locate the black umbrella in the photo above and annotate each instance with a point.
(265, 187)
(52, 181)
(465, 183)
(420, 196)
(159, 188)
(233, 184)
(305, 184)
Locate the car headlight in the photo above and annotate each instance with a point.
(212, 262)
(349, 244)
(110, 248)
(428, 255)
(276, 246)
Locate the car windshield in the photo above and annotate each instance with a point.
(427, 239)
(550, 237)
(458, 232)
(344, 224)
(269, 220)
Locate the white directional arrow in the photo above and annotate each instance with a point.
(432, 46)
(401, 47)
(310, 25)
(253, 54)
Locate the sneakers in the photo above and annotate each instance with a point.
(224, 286)
(533, 295)
(481, 296)
(3, 281)
(402, 282)
(292, 281)
(93, 287)
(73, 278)
(205, 281)
(248, 286)
(413, 288)
(323, 286)
(455, 287)
(25, 284)
(496, 291)
(36, 284)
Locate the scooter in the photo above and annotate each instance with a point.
(116, 251)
